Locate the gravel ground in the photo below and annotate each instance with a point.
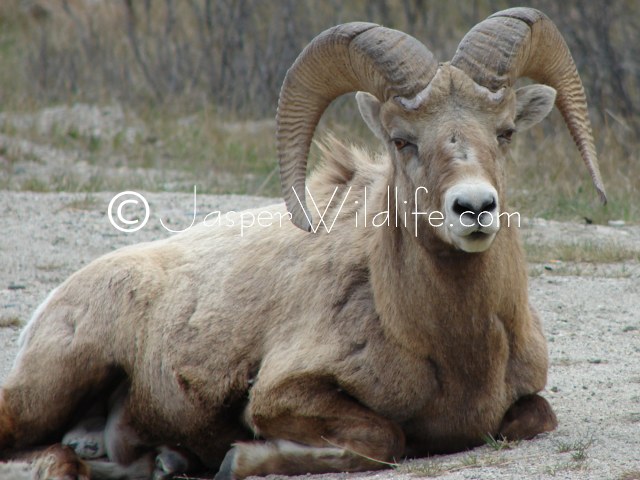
(591, 320)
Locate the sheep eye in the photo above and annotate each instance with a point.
(399, 143)
(505, 136)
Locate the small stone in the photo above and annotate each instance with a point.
(616, 223)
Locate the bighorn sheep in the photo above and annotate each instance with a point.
(407, 334)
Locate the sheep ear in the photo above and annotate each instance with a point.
(533, 103)
(369, 107)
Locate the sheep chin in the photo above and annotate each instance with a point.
(475, 242)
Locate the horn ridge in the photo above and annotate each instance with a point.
(524, 42)
(345, 58)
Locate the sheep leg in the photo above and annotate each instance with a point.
(127, 451)
(43, 392)
(57, 462)
(60, 462)
(86, 437)
(7, 428)
(171, 461)
(527, 417)
(312, 427)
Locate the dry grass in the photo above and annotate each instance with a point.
(601, 270)
(443, 465)
(577, 448)
(580, 252)
(10, 322)
(222, 155)
(172, 151)
(548, 180)
(190, 134)
(88, 202)
(630, 475)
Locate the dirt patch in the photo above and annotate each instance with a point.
(590, 312)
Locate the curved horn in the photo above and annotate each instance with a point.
(343, 59)
(523, 42)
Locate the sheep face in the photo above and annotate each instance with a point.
(448, 146)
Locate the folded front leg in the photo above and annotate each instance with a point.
(527, 417)
(311, 426)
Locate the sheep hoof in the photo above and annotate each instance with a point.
(527, 417)
(60, 462)
(86, 448)
(170, 462)
(227, 466)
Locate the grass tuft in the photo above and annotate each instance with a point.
(10, 322)
(580, 251)
(630, 475)
(422, 468)
(499, 443)
(87, 203)
(577, 448)
(435, 467)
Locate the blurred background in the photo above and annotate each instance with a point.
(106, 95)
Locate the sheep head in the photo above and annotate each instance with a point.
(447, 146)
(447, 126)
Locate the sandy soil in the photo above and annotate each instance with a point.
(591, 319)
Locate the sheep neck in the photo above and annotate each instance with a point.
(442, 297)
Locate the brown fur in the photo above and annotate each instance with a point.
(56, 462)
(59, 462)
(6, 424)
(522, 420)
(368, 342)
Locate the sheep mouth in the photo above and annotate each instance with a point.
(476, 241)
(477, 235)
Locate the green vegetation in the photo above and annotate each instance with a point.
(578, 456)
(499, 443)
(577, 448)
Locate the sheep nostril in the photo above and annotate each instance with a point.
(489, 205)
(460, 207)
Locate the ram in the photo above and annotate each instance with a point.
(400, 327)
